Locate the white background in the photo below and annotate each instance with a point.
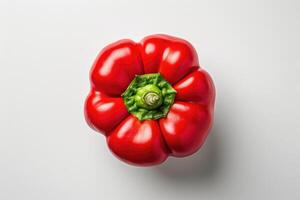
(251, 49)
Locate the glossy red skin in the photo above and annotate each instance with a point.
(104, 113)
(172, 57)
(185, 128)
(138, 142)
(115, 67)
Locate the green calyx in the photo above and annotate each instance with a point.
(149, 96)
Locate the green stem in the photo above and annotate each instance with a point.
(149, 96)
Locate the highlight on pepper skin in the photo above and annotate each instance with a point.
(150, 99)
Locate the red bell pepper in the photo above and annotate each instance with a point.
(150, 99)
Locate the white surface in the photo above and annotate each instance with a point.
(251, 48)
